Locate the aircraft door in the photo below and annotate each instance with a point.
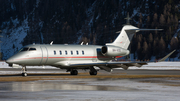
(44, 55)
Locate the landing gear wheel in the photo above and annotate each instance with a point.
(93, 72)
(24, 74)
(24, 70)
(74, 72)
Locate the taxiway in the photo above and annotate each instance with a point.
(119, 85)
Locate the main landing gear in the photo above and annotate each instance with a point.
(74, 72)
(24, 71)
(92, 71)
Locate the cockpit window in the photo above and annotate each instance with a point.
(24, 49)
(27, 49)
(32, 49)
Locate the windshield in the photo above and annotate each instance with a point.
(32, 49)
(24, 49)
(27, 49)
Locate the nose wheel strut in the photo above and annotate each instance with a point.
(24, 71)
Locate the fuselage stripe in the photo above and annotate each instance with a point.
(68, 57)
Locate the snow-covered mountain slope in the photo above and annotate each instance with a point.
(13, 37)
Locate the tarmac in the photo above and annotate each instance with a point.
(119, 85)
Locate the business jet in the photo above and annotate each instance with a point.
(74, 57)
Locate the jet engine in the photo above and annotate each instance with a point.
(114, 51)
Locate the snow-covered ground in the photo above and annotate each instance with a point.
(159, 65)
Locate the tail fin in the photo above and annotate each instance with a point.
(126, 34)
(124, 38)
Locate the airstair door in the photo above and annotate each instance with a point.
(44, 55)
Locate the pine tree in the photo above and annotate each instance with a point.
(162, 20)
(150, 38)
(140, 20)
(94, 40)
(148, 22)
(139, 51)
(145, 50)
(155, 18)
(174, 43)
(155, 47)
(161, 47)
(174, 46)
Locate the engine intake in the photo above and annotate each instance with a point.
(114, 51)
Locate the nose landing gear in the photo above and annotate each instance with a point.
(24, 70)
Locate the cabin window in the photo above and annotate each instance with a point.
(82, 52)
(71, 52)
(54, 52)
(66, 52)
(77, 52)
(60, 52)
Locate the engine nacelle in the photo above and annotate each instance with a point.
(114, 51)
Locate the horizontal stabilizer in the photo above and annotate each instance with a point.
(143, 30)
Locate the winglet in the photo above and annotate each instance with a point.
(163, 59)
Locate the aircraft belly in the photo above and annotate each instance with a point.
(33, 61)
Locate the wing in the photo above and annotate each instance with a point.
(108, 66)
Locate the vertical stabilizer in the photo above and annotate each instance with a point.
(124, 38)
(126, 34)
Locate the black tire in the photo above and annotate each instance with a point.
(74, 72)
(93, 73)
(24, 74)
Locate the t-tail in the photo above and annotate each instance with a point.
(119, 47)
(126, 34)
(124, 38)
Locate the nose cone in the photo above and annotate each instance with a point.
(9, 61)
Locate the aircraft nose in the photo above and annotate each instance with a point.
(9, 61)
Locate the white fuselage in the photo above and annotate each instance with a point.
(59, 55)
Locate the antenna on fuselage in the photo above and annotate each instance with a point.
(82, 43)
(51, 43)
